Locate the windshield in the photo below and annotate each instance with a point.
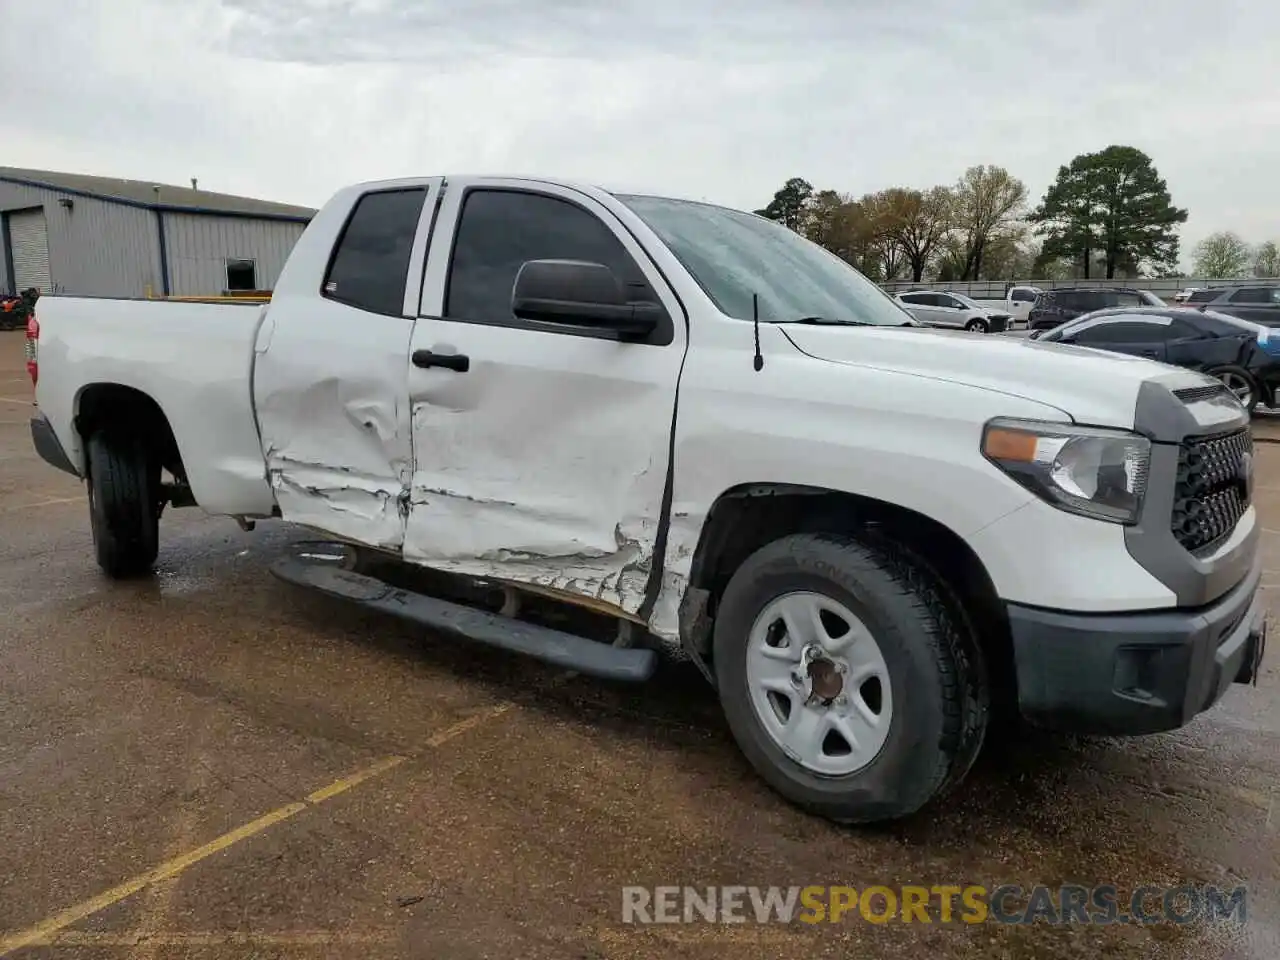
(733, 255)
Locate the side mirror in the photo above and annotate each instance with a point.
(576, 293)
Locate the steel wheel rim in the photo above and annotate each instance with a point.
(1237, 385)
(800, 647)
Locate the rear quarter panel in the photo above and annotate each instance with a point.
(193, 359)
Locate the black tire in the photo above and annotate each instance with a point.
(1231, 372)
(937, 677)
(124, 505)
(977, 325)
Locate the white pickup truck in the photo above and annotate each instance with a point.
(867, 534)
(1017, 302)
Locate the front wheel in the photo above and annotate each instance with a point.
(124, 505)
(1239, 382)
(976, 325)
(845, 678)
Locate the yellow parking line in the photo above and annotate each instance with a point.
(46, 929)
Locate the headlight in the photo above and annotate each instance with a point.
(1092, 472)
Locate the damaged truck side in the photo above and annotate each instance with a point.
(867, 534)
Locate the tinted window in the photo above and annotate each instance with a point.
(501, 229)
(951, 302)
(1203, 296)
(916, 298)
(371, 262)
(1022, 296)
(1256, 295)
(1183, 328)
(1112, 298)
(1127, 331)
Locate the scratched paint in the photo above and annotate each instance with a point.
(546, 463)
(329, 390)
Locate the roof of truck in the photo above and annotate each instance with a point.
(155, 196)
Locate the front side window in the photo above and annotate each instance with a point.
(734, 256)
(1152, 330)
(501, 229)
(371, 260)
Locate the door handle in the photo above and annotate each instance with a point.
(458, 362)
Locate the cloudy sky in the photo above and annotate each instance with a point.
(289, 99)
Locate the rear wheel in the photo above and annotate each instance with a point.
(976, 325)
(124, 505)
(1240, 382)
(846, 679)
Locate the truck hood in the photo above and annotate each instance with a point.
(1091, 386)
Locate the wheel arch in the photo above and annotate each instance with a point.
(127, 410)
(748, 516)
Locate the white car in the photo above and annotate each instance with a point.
(712, 432)
(941, 308)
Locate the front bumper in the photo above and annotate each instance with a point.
(1135, 673)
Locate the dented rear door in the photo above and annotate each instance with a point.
(546, 460)
(329, 379)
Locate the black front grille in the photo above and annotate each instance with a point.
(1213, 489)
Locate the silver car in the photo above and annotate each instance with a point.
(942, 308)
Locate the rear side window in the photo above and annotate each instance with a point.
(371, 261)
(915, 298)
(1256, 295)
(1203, 296)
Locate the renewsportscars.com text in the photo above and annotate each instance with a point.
(1008, 903)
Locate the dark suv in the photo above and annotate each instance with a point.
(1257, 302)
(1061, 304)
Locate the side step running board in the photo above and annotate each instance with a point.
(630, 664)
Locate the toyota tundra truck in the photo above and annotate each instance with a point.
(868, 535)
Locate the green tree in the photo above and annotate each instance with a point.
(788, 204)
(1112, 203)
(918, 221)
(1266, 262)
(988, 203)
(840, 224)
(1222, 254)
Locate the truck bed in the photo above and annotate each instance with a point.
(195, 360)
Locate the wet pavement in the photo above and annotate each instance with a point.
(211, 763)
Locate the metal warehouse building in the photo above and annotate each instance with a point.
(68, 233)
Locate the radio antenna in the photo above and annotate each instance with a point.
(758, 362)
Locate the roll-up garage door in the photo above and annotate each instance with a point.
(30, 239)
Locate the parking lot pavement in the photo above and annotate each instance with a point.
(210, 763)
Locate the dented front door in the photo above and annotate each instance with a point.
(329, 380)
(545, 460)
